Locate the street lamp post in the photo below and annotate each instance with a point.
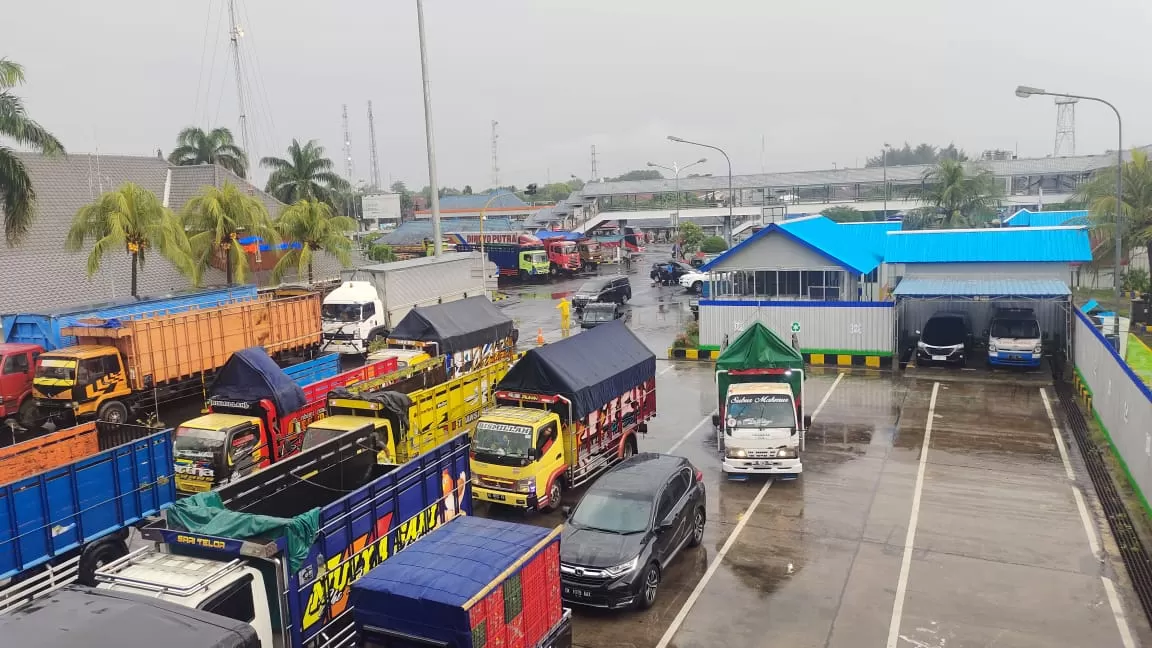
(437, 237)
(731, 196)
(1024, 92)
(676, 169)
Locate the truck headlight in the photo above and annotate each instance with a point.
(1038, 349)
(525, 485)
(735, 453)
(476, 481)
(991, 348)
(623, 568)
(787, 453)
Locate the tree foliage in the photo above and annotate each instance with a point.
(381, 252)
(713, 245)
(216, 220)
(310, 226)
(133, 219)
(306, 174)
(1099, 194)
(17, 196)
(923, 154)
(638, 174)
(961, 198)
(691, 237)
(195, 146)
(843, 214)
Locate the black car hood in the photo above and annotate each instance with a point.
(591, 548)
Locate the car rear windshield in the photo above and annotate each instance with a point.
(944, 330)
(1015, 328)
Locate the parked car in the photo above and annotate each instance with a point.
(947, 337)
(598, 313)
(627, 528)
(700, 259)
(1014, 338)
(668, 273)
(612, 288)
(694, 281)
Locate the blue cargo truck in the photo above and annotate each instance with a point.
(60, 524)
(280, 550)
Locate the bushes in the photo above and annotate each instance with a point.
(689, 339)
(713, 245)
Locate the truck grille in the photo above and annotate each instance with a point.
(339, 336)
(491, 482)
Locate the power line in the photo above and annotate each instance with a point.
(203, 53)
(212, 68)
(235, 32)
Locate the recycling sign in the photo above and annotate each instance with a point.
(795, 327)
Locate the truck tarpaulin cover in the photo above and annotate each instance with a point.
(759, 348)
(395, 403)
(250, 375)
(79, 616)
(205, 514)
(589, 369)
(455, 326)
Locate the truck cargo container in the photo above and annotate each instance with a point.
(47, 329)
(503, 589)
(68, 499)
(257, 416)
(467, 334)
(314, 370)
(120, 367)
(567, 411)
(515, 261)
(294, 538)
(372, 300)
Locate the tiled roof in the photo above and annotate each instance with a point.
(996, 245)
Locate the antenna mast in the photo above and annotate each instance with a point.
(375, 158)
(595, 175)
(1065, 126)
(495, 156)
(235, 33)
(348, 168)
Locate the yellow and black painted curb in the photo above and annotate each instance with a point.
(1082, 390)
(693, 354)
(848, 360)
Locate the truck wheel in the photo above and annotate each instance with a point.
(629, 448)
(523, 276)
(95, 557)
(555, 493)
(649, 585)
(113, 412)
(27, 413)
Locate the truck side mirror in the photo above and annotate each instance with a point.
(716, 420)
(984, 333)
(566, 511)
(807, 421)
(917, 331)
(533, 454)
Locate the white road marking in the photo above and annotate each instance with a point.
(913, 520)
(1118, 612)
(1093, 545)
(666, 370)
(706, 419)
(1059, 438)
(828, 395)
(687, 607)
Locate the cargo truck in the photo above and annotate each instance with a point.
(466, 334)
(17, 366)
(506, 595)
(372, 300)
(67, 502)
(290, 541)
(257, 416)
(588, 250)
(760, 422)
(523, 260)
(122, 367)
(566, 412)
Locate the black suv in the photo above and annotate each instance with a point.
(947, 337)
(627, 528)
(668, 273)
(613, 288)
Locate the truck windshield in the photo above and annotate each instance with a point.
(761, 410)
(539, 257)
(317, 434)
(340, 312)
(614, 512)
(197, 443)
(567, 248)
(502, 440)
(591, 247)
(56, 369)
(1012, 328)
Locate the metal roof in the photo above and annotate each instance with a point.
(897, 174)
(998, 245)
(1028, 218)
(476, 201)
(1034, 288)
(871, 235)
(837, 242)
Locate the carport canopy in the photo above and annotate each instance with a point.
(981, 289)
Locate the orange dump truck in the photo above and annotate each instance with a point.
(120, 368)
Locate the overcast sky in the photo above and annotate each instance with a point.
(821, 81)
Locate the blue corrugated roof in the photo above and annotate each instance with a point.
(476, 201)
(1028, 218)
(840, 244)
(873, 235)
(415, 231)
(923, 287)
(1009, 244)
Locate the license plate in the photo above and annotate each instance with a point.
(499, 497)
(939, 358)
(573, 592)
(763, 463)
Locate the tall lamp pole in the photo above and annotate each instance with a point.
(1024, 92)
(676, 169)
(731, 196)
(437, 237)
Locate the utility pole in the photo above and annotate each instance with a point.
(495, 156)
(375, 158)
(348, 168)
(235, 33)
(437, 236)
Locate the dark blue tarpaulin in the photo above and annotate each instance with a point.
(589, 369)
(250, 375)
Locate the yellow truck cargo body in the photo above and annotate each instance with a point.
(158, 350)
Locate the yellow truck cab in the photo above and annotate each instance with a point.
(209, 447)
(519, 451)
(87, 379)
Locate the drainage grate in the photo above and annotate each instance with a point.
(1131, 549)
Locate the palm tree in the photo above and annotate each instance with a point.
(194, 146)
(304, 174)
(133, 218)
(17, 197)
(1136, 202)
(309, 226)
(216, 220)
(958, 195)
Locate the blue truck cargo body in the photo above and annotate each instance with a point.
(44, 328)
(57, 511)
(314, 370)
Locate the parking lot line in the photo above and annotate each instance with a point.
(1059, 439)
(684, 438)
(913, 520)
(1118, 612)
(828, 395)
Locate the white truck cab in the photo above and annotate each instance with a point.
(233, 589)
(761, 433)
(351, 317)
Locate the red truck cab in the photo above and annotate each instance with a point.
(563, 256)
(17, 367)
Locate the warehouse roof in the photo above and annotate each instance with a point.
(477, 201)
(842, 244)
(1027, 218)
(1032, 288)
(997, 245)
